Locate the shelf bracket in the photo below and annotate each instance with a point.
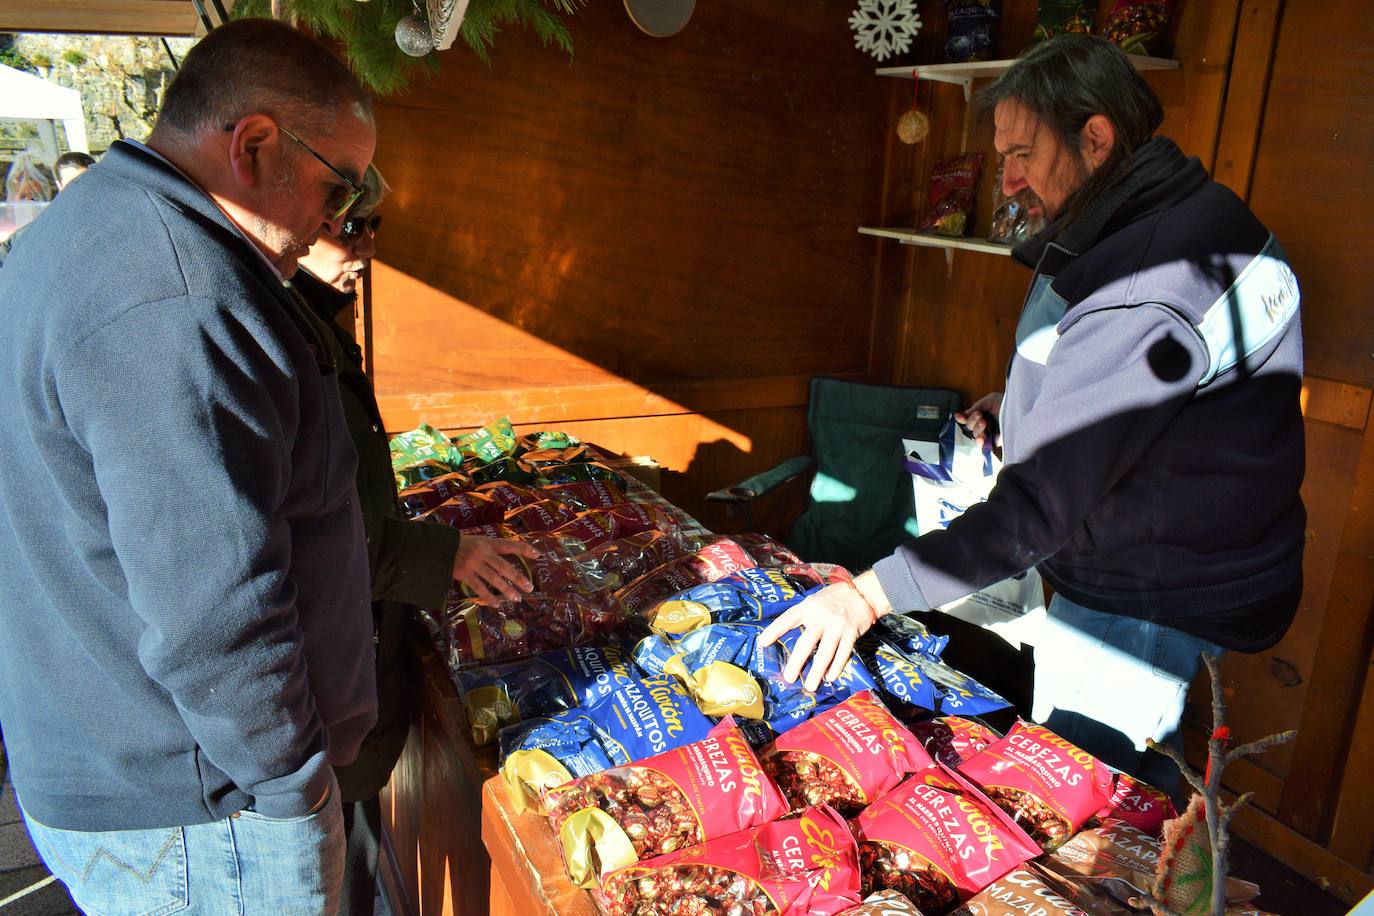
(949, 263)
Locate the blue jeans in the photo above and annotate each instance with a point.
(244, 864)
(1107, 683)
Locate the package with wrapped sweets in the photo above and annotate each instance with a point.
(581, 472)
(1139, 804)
(799, 865)
(553, 456)
(411, 475)
(421, 444)
(489, 443)
(1027, 891)
(544, 515)
(720, 557)
(907, 634)
(637, 554)
(749, 595)
(641, 718)
(1048, 785)
(428, 494)
(683, 797)
(884, 903)
(480, 632)
(927, 683)
(596, 527)
(953, 739)
(545, 439)
(466, 510)
(765, 550)
(844, 757)
(590, 494)
(938, 840)
(495, 696)
(1117, 859)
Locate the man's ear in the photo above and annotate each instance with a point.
(1097, 139)
(252, 136)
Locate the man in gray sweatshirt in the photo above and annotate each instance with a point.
(1152, 431)
(185, 637)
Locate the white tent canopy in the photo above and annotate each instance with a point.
(25, 97)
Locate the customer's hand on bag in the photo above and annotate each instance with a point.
(480, 566)
(981, 418)
(830, 620)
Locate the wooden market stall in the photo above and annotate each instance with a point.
(656, 247)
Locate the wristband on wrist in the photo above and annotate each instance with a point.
(872, 611)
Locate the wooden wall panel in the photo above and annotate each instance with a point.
(658, 212)
(1312, 169)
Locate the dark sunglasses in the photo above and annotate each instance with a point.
(343, 196)
(355, 226)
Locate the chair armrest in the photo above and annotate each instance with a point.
(761, 484)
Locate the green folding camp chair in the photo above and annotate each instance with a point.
(860, 505)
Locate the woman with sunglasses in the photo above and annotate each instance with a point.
(413, 564)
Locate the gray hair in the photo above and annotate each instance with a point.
(260, 66)
(375, 190)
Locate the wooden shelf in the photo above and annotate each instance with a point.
(912, 237)
(965, 74)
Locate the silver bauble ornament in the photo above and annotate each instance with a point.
(413, 37)
(913, 126)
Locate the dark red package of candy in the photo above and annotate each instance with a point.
(545, 515)
(954, 739)
(766, 551)
(936, 839)
(952, 183)
(481, 632)
(431, 493)
(633, 556)
(1047, 784)
(595, 527)
(808, 575)
(680, 798)
(1141, 805)
(510, 496)
(1140, 26)
(490, 531)
(799, 865)
(884, 903)
(587, 494)
(467, 510)
(544, 457)
(844, 757)
(717, 559)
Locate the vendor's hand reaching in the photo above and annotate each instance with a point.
(831, 620)
(480, 566)
(981, 417)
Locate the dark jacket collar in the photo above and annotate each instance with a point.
(324, 300)
(1157, 177)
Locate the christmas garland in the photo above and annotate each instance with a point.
(367, 30)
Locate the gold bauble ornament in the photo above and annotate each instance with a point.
(913, 126)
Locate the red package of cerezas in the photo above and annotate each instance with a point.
(1048, 785)
(844, 757)
(799, 865)
(1139, 804)
(936, 839)
(954, 739)
(680, 798)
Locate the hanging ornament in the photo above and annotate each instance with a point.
(413, 36)
(913, 126)
(885, 27)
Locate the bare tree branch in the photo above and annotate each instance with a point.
(1257, 747)
(1172, 753)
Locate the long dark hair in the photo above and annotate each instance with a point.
(1067, 80)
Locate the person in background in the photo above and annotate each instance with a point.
(413, 564)
(70, 166)
(186, 645)
(28, 179)
(1151, 425)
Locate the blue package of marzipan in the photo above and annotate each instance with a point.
(907, 634)
(746, 596)
(960, 695)
(929, 683)
(570, 738)
(495, 696)
(901, 679)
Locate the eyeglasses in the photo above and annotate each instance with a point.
(355, 226)
(341, 198)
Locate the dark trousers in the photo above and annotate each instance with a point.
(363, 839)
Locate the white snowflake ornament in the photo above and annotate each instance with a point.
(885, 27)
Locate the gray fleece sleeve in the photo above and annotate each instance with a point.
(1111, 385)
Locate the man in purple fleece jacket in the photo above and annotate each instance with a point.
(186, 647)
(1153, 437)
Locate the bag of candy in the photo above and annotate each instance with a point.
(466, 510)
(641, 718)
(589, 494)
(1060, 17)
(430, 494)
(972, 29)
(495, 696)
(1047, 784)
(479, 632)
(544, 515)
(488, 443)
(680, 798)
(636, 555)
(1028, 890)
(1140, 26)
(720, 557)
(844, 757)
(884, 903)
(1138, 804)
(791, 867)
(952, 184)
(937, 840)
(954, 739)
(596, 527)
